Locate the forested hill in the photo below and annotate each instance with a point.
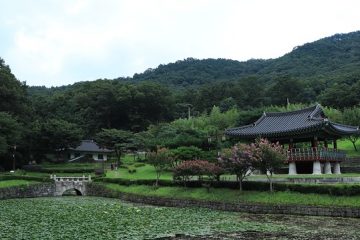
(332, 59)
(325, 71)
(194, 72)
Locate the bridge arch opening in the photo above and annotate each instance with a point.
(72, 192)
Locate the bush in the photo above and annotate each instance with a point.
(99, 172)
(200, 168)
(187, 153)
(139, 164)
(32, 168)
(37, 168)
(131, 169)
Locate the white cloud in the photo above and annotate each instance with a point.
(62, 41)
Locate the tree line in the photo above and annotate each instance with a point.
(157, 108)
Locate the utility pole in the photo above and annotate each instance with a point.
(14, 158)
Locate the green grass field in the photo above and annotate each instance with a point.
(347, 146)
(144, 172)
(235, 196)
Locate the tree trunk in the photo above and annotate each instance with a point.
(157, 179)
(118, 154)
(269, 177)
(353, 142)
(240, 183)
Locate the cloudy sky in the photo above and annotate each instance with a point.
(59, 42)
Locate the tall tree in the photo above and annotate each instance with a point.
(10, 135)
(10, 132)
(12, 92)
(115, 139)
(58, 135)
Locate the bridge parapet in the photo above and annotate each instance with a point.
(71, 179)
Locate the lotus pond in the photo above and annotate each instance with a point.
(102, 218)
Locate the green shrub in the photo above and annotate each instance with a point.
(131, 169)
(25, 177)
(139, 164)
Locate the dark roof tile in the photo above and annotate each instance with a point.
(282, 124)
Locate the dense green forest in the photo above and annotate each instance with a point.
(152, 108)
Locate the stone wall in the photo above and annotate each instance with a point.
(28, 191)
(94, 189)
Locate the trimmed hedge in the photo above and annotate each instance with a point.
(335, 189)
(24, 177)
(37, 168)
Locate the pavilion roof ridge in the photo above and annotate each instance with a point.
(313, 111)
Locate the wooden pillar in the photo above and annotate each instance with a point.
(326, 143)
(291, 143)
(335, 144)
(314, 142)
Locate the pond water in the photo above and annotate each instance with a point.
(102, 218)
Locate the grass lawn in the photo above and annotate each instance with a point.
(13, 183)
(234, 196)
(144, 172)
(347, 146)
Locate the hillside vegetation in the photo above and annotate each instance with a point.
(155, 103)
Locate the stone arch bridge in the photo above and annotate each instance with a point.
(63, 184)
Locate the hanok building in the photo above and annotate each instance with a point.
(90, 150)
(307, 133)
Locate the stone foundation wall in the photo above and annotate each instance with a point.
(94, 189)
(34, 190)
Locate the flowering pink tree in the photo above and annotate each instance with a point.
(239, 161)
(268, 157)
(188, 169)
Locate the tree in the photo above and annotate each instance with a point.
(286, 87)
(267, 156)
(115, 139)
(58, 135)
(351, 116)
(12, 92)
(238, 161)
(187, 153)
(9, 132)
(161, 160)
(188, 169)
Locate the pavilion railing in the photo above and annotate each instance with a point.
(315, 154)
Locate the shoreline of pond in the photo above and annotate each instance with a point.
(99, 190)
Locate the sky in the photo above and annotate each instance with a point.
(59, 42)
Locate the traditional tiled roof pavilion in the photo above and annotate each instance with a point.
(306, 125)
(91, 148)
